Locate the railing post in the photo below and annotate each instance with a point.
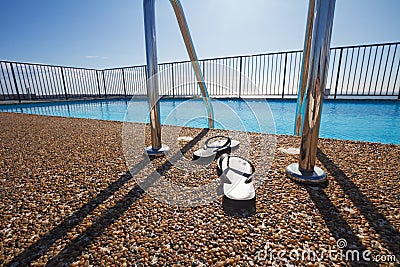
(1, 86)
(240, 76)
(98, 83)
(104, 84)
(63, 80)
(398, 96)
(284, 76)
(15, 82)
(123, 80)
(338, 72)
(203, 70)
(172, 79)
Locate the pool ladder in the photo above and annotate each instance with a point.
(311, 87)
(156, 147)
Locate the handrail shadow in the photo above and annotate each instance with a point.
(337, 225)
(75, 248)
(390, 235)
(37, 249)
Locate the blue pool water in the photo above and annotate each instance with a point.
(374, 121)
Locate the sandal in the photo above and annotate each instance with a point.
(237, 174)
(218, 146)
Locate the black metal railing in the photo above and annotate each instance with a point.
(27, 81)
(362, 71)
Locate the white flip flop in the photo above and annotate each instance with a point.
(237, 174)
(218, 146)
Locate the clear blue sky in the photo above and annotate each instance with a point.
(109, 33)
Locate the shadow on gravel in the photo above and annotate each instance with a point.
(239, 208)
(339, 226)
(389, 234)
(75, 248)
(39, 248)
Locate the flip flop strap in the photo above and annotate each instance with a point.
(249, 176)
(225, 178)
(218, 148)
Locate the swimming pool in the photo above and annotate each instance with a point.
(374, 121)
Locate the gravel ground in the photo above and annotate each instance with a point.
(67, 198)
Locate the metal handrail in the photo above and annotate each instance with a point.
(256, 55)
(311, 89)
(152, 77)
(183, 26)
(45, 65)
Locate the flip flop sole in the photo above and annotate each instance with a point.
(237, 189)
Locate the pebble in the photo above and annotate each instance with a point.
(66, 186)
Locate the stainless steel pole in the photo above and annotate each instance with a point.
(183, 26)
(152, 78)
(301, 95)
(314, 71)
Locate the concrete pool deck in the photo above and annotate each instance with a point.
(67, 198)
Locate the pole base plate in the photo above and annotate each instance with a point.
(157, 152)
(318, 176)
